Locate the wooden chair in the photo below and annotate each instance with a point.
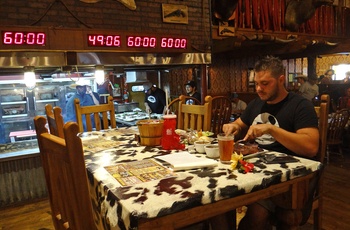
(195, 100)
(322, 112)
(336, 129)
(173, 106)
(195, 117)
(66, 177)
(55, 120)
(221, 113)
(94, 114)
(311, 190)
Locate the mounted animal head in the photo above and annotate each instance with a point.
(299, 11)
(223, 9)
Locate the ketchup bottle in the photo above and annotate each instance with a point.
(170, 140)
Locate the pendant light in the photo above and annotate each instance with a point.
(99, 74)
(29, 77)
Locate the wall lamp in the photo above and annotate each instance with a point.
(29, 77)
(100, 74)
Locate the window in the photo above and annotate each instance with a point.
(137, 88)
(340, 71)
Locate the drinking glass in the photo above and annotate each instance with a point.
(226, 143)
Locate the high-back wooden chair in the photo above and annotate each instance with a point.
(94, 114)
(221, 113)
(173, 106)
(322, 112)
(336, 129)
(66, 177)
(55, 120)
(309, 192)
(194, 117)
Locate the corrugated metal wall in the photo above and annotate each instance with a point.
(21, 180)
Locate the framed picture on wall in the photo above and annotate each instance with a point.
(175, 13)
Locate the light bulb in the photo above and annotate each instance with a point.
(29, 77)
(99, 76)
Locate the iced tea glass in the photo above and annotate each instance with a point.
(225, 147)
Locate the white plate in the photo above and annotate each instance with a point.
(129, 119)
(141, 117)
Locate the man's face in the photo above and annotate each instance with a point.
(329, 74)
(149, 91)
(267, 86)
(189, 89)
(81, 90)
(300, 80)
(235, 100)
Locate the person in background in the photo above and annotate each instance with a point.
(344, 102)
(238, 106)
(320, 79)
(308, 87)
(191, 91)
(84, 98)
(155, 101)
(277, 120)
(95, 97)
(347, 78)
(327, 77)
(301, 79)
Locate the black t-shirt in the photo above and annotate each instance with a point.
(156, 101)
(195, 95)
(292, 113)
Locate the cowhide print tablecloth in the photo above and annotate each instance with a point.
(118, 207)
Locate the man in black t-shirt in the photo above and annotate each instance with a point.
(154, 99)
(277, 120)
(191, 91)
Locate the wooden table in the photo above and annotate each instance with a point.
(189, 196)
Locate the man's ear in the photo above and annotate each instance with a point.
(282, 79)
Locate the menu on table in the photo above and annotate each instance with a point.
(136, 172)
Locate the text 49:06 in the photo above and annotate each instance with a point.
(137, 41)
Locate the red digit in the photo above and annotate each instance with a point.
(8, 38)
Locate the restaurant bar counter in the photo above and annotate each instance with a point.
(21, 173)
(184, 198)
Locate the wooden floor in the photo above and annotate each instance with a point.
(36, 216)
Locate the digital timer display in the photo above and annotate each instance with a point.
(141, 41)
(13, 38)
(23, 38)
(128, 41)
(177, 43)
(103, 40)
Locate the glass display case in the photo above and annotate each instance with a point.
(19, 106)
(45, 95)
(14, 111)
(14, 102)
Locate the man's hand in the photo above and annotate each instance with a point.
(258, 130)
(231, 128)
(147, 108)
